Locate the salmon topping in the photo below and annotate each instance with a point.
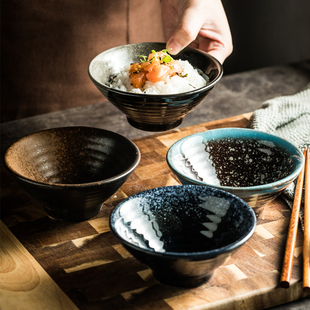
(154, 68)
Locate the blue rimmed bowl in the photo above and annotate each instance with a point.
(148, 111)
(250, 164)
(183, 233)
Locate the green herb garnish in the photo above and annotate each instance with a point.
(166, 59)
(166, 50)
(143, 58)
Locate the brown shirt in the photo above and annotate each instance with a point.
(48, 45)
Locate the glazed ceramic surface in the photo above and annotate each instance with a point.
(145, 111)
(183, 233)
(253, 165)
(72, 170)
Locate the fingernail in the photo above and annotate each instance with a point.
(173, 47)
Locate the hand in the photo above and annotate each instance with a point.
(200, 24)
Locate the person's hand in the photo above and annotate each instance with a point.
(198, 23)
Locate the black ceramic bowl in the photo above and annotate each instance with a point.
(146, 111)
(72, 170)
(183, 233)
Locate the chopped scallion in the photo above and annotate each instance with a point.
(143, 58)
(166, 59)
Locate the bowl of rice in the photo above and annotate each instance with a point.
(159, 104)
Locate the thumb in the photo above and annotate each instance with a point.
(185, 32)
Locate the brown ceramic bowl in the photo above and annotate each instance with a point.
(152, 112)
(72, 170)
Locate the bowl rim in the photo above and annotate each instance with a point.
(189, 255)
(234, 130)
(166, 96)
(80, 185)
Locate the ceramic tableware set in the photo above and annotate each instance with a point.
(183, 233)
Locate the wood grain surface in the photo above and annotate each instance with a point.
(24, 283)
(84, 260)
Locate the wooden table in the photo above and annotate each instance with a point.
(49, 264)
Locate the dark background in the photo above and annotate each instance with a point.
(46, 46)
(267, 32)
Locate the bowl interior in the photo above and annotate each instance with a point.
(183, 220)
(71, 155)
(112, 61)
(235, 158)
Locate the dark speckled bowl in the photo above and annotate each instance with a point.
(145, 111)
(256, 168)
(72, 170)
(183, 233)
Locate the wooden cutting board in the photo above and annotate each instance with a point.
(48, 264)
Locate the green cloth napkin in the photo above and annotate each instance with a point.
(287, 117)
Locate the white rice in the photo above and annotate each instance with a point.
(173, 85)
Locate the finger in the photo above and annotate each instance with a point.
(219, 55)
(211, 44)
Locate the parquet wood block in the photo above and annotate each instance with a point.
(87, 263)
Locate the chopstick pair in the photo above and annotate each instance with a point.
(293, 227)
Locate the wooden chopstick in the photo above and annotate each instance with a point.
(306, 244)
(292, 232)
